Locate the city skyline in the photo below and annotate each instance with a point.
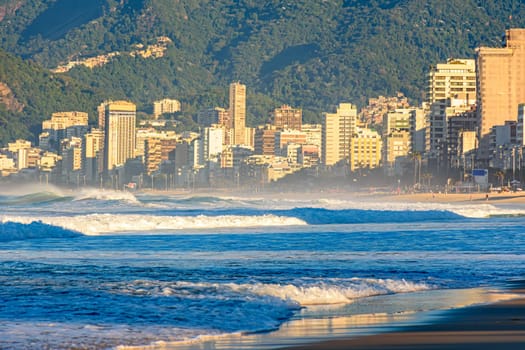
(442, 132)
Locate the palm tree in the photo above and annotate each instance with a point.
(416, 157)
(501, 176)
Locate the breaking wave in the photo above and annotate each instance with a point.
(106, 195)
(50, 194)
(33, 198)
(300, 293)
(14, 231)
(94, 224)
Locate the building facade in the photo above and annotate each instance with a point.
(238, 112)
(284, 137)
(337, 131)
(451, 84)
(365, 145)
(501, 77)
(120, 136)
(264, 140)
(286, 117)
(166, 105)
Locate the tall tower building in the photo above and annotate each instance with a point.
(213, 140)
(451, 84)
(366, 149)
(337, 131)
(119, 142)
(93, 146)
(152, 154)
(101, 113)
(396, 135)
(501, 81)
(238, 112)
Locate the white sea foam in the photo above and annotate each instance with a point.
(474, 210)
(344, 291)
(305, 293)
(106, 195)
(66, 335)
(95, 224)
(469, 210)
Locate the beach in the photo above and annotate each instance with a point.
(494, 198)
(320, 269)
(495, 326)
(368, 196)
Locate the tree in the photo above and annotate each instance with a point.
(501, 176)
(416, 157)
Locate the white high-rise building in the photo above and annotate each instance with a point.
(213, 138)
(119, 145)
(337, 131)
(452, 90)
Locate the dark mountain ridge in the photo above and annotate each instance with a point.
(309, 54)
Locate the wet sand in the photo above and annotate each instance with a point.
(495, 326)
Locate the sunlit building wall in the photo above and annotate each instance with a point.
(120, 118)
(337, 131)
(501, 81)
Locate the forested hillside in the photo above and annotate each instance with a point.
(309, 54)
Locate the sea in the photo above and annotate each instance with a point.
(102, 269)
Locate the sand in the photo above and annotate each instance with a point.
(495, 326)
(476, 197)
(493, 198)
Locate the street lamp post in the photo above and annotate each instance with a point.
(513, 163)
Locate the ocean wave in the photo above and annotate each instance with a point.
(332, 291)
(106, 195)
(322, 216)
(340, 211)
(68, 335)
(13, 231)
(94, 224)
(34, 194)
(33, 198)
(410, 210)
(301, 293)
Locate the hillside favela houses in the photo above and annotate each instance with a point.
(467, 135)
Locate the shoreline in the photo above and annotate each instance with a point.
(477, 197)
(422, 197)
(499, 325)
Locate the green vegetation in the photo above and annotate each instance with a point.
(41, 93)
(308, 54)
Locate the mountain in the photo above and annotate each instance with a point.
(309, 54)
(30, 93)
